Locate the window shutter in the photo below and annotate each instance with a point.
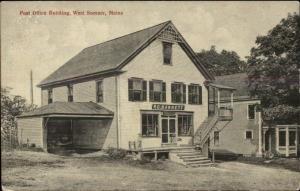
(130, 92)
(144, 94)
(172, 92)
(184, 93)
(163, 91)
(200, 94)
(151, 91)
(189, 94)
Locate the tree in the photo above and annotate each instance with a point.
(273, 71)
(11, 107)
(224, 63)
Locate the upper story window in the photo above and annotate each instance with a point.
(195, 94)
(178, 93)
(157, 91)
(251, 111)
(137, 89)
(167, 53)
(185, 125)
(70, 93)
(50, 96)
(99, 91)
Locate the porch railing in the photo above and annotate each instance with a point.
(225, 113)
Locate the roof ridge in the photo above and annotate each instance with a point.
(163, 23)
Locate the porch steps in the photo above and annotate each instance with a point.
(190, 158)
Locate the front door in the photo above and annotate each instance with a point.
(168, 133)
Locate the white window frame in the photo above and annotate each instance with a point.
(158, 131)
(248, 130)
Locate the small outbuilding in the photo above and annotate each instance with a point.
(83, 125)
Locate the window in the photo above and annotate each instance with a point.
(195, 94)
(178, 93)
(157, 91)
(70, 93)
(282, 137)
(185, 125)
(167, 53)
(216, 137)
(99, 91)
(149, 125)
(249, 134)
(137, 89)
(292, 138)
(50, 96)
(251, 111)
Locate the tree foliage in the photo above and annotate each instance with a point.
(11, 107)
(273, 70)
(224, 63)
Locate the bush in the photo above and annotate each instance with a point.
(115, 153)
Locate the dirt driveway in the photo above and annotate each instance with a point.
(25, 170)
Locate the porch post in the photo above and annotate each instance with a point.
(218, 99)
(259, 135)
(231, 96)
(287, 142)
(264, 139)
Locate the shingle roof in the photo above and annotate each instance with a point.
(238, 81)
(107, 56)
(70, 108)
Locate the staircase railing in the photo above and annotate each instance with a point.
(205, 132)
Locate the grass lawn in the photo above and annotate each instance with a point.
(26, 170)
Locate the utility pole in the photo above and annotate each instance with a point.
(31, 88)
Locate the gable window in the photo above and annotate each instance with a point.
(50, 96)
(167, 53)
(195, 94)
(70, 93)
(251, 111)
(249, 134)
(216, 137)
(149, 125)
(157, 91)
(137, 89)
(185, 125)
(178, 93)
(99, 91)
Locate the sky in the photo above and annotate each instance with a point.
(42, 43)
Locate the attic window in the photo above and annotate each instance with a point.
(167, 53)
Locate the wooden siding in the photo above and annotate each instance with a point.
(85, 91)
(31, 129)
(92, 134)
(60, 94)
(232, 133)
(149, 65)
(44, 97)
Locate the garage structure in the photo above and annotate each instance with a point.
(73, 125)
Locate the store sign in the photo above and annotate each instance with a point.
(167, 107)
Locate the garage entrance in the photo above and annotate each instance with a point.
(77, 133)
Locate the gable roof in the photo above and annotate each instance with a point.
(70, 108)
(238, 81)
(112, 55)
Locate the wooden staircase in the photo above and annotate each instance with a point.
(203, 132)
(190, 158)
